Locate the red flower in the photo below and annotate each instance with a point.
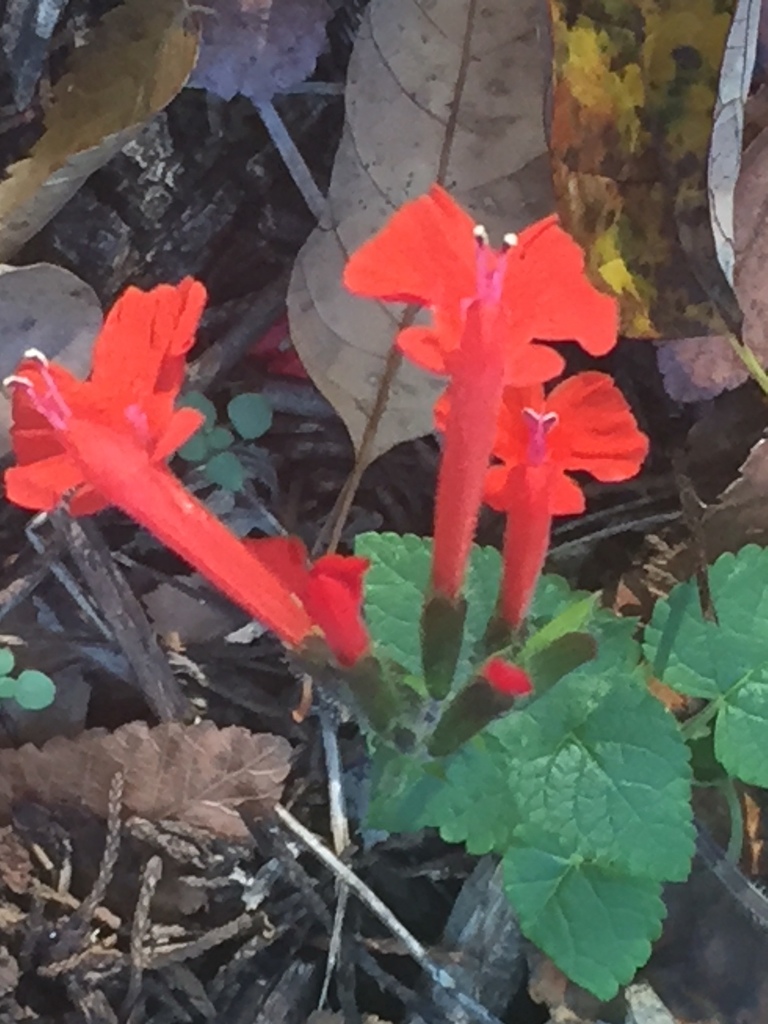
(108, 436)
(138, 368)
(331, 590)
(426, 254)
(584, 424)
(488, 309)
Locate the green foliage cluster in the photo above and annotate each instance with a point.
(32, 690)
(584, 788)
(249, 417)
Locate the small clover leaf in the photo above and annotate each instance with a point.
(34, 690)
(251, 415)
(196, 448)
(7, 687)
(725, 662)
(7, 661)
(219, 439)
(197, 400)
(225, 470)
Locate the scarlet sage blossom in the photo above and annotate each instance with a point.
(489, 309)
(139, 360)
(584, 424)
(74, 434)
(331, 589)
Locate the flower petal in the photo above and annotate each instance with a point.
(40, 486)
(183, 424)
(424, 253)
(547, 290)
(333, 597)
(510, 680)
(596, 431)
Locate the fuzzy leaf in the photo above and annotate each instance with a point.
(596, 922)
(395, 586)
(726, 661)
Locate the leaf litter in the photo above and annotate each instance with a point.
(173, 989)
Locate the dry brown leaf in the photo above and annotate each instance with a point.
(405, 70)
(699, 368)
(134, 62)
(741, 515)
(50, 309)
(198, 774)
(15, 863)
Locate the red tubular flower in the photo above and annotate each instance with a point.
(509, 680)
(489, 308)
(68, 433)
(584, 424)
(138, 369)
(331, 590)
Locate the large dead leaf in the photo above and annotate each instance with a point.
(197, 774)
(432, 93)
(697, 368)
(50, 309)
(134, 62)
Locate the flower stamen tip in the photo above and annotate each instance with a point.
(37, 355)
(22, 382)
(481, 235)
(509, 241)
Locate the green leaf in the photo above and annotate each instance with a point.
(596, 760)
(196, 448)
(596, 922)
(7, 661)
(219, 439)
(394, 593)
(34, 690)
(7, 687)
(197, 400)
(225, 470)
(402, 791)
(250, 414)
(725, 662)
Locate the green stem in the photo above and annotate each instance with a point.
(749, 359)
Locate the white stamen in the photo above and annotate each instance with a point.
(481, 235)
(24, 382)
(510, 240)
(37, 355)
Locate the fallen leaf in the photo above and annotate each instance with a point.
(173, 610)
(50, 309)
(634, 91)
(431, 95)
(135, 60)
(15, 864)
(700, 368)
(260, 47)
(197, 774)
(740, 516)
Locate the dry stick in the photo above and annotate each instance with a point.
(134, 634)
(340, 833)
(394, 359)
(438, 974)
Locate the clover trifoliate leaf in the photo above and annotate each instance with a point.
(250, 414)
(197, 400)
(225, 470)
(219, 439)
(34, 690)
(596, 922)
(196, 448)
(724, 661)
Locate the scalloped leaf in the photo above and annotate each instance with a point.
(725, 662)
